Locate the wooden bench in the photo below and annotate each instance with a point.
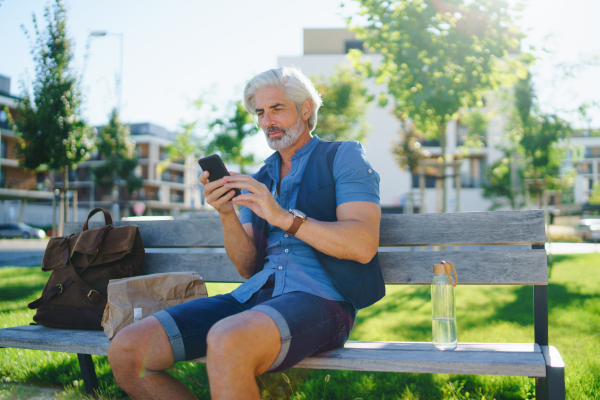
(512, 266)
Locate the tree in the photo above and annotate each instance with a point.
(345, 105)
(408, 150)
(437, 57)
(229, 135)
(532, 147)
(120, 158)
(50, 132)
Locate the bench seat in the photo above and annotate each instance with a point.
(516, 359)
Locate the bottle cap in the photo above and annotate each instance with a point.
(439, 269)
(446, 267)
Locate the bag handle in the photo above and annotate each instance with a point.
(107, 218)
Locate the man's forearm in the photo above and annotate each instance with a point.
(348, 240)
(239, 247)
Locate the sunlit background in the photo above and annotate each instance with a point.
(176, 51)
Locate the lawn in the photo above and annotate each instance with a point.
(485, 314)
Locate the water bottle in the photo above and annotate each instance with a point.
(443, 306)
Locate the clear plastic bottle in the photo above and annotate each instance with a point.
(443, 306)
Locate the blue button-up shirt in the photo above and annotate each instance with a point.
(292, 261)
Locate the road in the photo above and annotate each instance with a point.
(28, 253)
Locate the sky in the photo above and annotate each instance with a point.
(176, 51)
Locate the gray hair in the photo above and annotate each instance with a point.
(296, 86)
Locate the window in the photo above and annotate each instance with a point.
(429, 181)
(354, 44)
(471, 172)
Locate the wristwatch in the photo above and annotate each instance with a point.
(299, 218)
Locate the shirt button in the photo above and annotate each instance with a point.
(273, 193)
(287, 250)
(286, 235)
(280, 267)
(370, 171)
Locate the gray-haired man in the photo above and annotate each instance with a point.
(306, 239)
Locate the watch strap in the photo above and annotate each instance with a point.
(298, 220)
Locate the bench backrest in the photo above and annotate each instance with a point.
(176, 247)
(197, 245)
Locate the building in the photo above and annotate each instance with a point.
(29, 196)
(168, 193)
(326, 48)
(20, 190)
(586, 161)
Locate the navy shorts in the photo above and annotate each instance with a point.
(308, 324)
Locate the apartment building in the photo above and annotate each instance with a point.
(29, 197)
(324, 49)
(19, 189)
(167, 193)
(586, 161)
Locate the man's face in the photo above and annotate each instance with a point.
(278, 117)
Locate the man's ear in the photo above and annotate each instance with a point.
(307, 108)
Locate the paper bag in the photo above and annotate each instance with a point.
(131, 299)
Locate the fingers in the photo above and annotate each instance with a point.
(250, 185)
(218, 202)
(203, 178)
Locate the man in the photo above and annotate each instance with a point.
(307, 241)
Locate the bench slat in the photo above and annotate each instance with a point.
(493, 267)
(469, 358)
(459, 229)
(468, 228)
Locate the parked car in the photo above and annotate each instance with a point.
(589, 229)
(20, 230)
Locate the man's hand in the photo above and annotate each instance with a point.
(213, 192)
(259, 200)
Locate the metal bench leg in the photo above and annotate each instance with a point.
(89, 373)
(553, 386)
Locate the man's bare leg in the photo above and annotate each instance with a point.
(240, 348)
(138, 356)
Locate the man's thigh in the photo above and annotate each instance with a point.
(187, 325)
(307, 324)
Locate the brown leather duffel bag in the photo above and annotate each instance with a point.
(81, 265)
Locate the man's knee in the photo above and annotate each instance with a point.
(251, 338)
(143, 345)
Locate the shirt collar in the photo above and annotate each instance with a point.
(307, 148)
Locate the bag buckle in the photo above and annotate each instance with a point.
(60, 286)
(90, 293)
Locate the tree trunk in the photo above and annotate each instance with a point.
(65, 190)
(443, 177)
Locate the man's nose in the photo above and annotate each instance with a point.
(267, 119)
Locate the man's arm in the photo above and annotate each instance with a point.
(238, 239)
(355, 236)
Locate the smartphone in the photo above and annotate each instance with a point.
(216, 169)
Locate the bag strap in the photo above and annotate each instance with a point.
(107, 217)
(58, 289)
(83, 286)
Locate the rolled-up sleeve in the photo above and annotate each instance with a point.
(354, 177)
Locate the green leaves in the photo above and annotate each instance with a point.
(229, 135)
(50, 132)
(437, 57)
(345, 105)
(119, 154)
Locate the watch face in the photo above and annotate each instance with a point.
(298, 213)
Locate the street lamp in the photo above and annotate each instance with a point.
(105, 33)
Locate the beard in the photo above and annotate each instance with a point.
(288, 137)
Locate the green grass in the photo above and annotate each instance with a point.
(485, 314)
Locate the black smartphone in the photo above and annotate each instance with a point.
(216, 169)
